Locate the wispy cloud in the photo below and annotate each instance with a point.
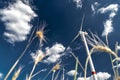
(16, 18)
(100, 76)
(108, 27)
(78, 3)
(54, 53)
(71, 72)
(94, 7)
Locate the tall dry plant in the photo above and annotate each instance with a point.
(22, 54)
(38, 57)
(99, 45)
(16, 74)
(40, 35)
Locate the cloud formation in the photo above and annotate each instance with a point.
(1, 75)
(100, 76)
(54, 53)
(108, 27)
(16, 18)
(78, 3)
(94, 7)
(71, 72)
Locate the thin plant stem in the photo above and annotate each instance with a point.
(89, 57)
(30, 76)
(53, 75)
(17, 61)
(38, 73)
(76, 68)
(110, 56)
(57, 75)
(78, 61)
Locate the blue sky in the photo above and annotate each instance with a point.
(63, 18)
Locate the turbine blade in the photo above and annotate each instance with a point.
(82, 22)
(75, 37)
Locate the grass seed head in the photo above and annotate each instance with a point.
(105, 49)
(40, 32)
(56, 67)
(38, 56)
(40, 35)
(16, 74)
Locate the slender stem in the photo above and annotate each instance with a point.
(30, 76)
(53, 75)
(38, 72)
(17, 61)
(110, 56)
(78, 61)
(63, 77)
(116, 51)
(76, 68)
(15, 64)
(57, 75)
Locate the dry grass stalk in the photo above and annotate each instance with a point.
(97, 44)
(104, 49)
(22, 54)
(37, 58)
(16, 74)
(118, 78)
(56, 67)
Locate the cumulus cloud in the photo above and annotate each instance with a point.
(108, 27)
(1, 75)
(72, 72)
(54, 53)
(78, 3)
(16, 18)
(100, 76)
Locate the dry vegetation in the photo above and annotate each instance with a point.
(95, 42)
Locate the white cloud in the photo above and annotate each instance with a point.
(16, 18)
(54, 53)
(78, 3)
(111, 8)
(100, 76)
(108, 27)
(72, 73)
(1, 75)
(94, 7)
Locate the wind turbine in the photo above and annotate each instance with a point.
(80, 31)
(82, 34)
